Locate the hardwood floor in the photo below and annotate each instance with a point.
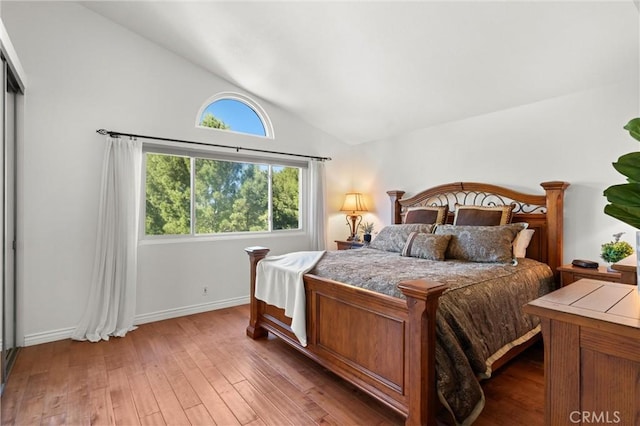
(203, 370)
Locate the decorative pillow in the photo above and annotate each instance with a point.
(481, 243)
(426, 246)
(393, 237)
(428, 214)
(483, 215)
(521, 242)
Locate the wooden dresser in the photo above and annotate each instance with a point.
(591, 332)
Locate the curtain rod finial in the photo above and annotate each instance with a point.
(102, 131)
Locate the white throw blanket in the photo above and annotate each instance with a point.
(279, 282)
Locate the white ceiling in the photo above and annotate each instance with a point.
(364, 71)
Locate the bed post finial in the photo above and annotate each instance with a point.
(395, 197)
(555, 231)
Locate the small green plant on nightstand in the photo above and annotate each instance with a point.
(616, 250)
(367, 229)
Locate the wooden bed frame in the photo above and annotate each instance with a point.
(384, 345)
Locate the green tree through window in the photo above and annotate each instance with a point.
(286, 191)
(168, 195)
(231, 197)
(231, 113)
(210, 120)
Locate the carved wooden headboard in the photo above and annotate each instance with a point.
(543, 213)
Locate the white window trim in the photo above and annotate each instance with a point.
(260, 112)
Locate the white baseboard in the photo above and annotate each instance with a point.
(48, 336)
(65, 333)
(189, 310)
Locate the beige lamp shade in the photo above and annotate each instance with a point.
(353, 202)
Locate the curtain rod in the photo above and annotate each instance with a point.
(237, 148)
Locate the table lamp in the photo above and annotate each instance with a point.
(353, 203)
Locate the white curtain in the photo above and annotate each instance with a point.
(112, 300)
(317, 216)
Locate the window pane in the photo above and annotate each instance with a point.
(231, 197)
(231, 114)
(285, 197)
(168, 195)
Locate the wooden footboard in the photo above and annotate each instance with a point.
(383, 345)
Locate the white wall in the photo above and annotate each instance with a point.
(86, 73)
(574, 138)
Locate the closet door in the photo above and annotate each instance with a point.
(4, 335)
(8, 220)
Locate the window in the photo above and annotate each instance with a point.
(196, 195)
(196, 192)
(236, 113)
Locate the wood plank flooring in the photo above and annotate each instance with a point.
(203, 370)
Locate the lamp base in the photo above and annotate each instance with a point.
(353, 227)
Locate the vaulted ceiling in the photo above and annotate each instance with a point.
(364, 71)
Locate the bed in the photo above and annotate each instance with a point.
(387, 344)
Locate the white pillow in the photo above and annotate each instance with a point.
(521, 242)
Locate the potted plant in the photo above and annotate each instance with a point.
(624, 199)
(367, 229)
(616, 250)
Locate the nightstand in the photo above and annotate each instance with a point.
(627, 267)
(570, 274)
(623, 272)
(348, 245)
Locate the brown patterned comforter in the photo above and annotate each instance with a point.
(479, 317)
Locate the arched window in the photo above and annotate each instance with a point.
(236, 113)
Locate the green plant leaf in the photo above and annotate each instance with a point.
(628, 215)
(629, 165)
(624, 199)
(626, 194)
(633, 126)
